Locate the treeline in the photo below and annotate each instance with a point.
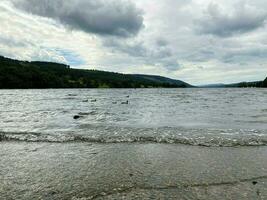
(16, 74)
(265, 83)
(257, 84)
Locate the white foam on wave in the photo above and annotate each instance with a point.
(197, 137)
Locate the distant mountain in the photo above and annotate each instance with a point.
(22, 74)
(219, 85)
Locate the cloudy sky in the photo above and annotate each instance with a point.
(198, 41)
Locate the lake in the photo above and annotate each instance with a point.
(208, 117)
(114, 144)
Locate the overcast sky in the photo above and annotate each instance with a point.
(197, 41)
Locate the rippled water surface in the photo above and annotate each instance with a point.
(220, 117)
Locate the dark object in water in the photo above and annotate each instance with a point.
(126, 102)
(128, 96)
(94, 100)
(76, 117)
(85, 100)
(254, 182)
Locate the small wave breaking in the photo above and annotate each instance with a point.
(208, 138)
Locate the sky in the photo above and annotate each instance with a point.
(197, 41)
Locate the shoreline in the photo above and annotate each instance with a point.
(132, 171)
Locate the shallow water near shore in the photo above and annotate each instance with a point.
(131, 171)
(208, 117)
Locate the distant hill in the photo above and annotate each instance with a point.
(265, 83)
(246, 84)
(163, 80)
(238, 85)
(15, 74)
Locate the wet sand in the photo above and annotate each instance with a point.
(131, 171)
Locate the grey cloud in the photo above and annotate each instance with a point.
(201, 67)
(244, 55)
(137, 48)
(105, 17)
(157, 55)
(171, 64)
(243, 19)
(201, 55)
(12, 42)
(162, 42)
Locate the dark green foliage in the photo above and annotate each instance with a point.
(255, 84)
(247, 84)
(265, 83)
(21, 74)
(163, 80)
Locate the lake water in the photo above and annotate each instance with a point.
(209, 117)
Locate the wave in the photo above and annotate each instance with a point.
(207, 140)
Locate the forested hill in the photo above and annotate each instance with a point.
(16, 74)
(255, 84)
(248, 84)
(161, 79)
(265, 83)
